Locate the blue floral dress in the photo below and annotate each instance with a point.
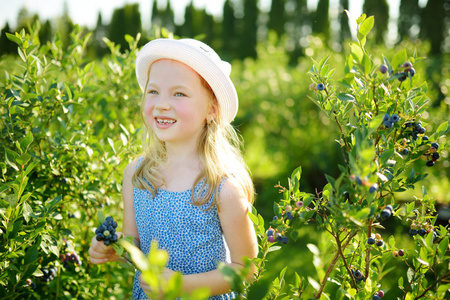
(190, 234)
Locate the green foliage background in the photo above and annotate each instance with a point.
(76, 122)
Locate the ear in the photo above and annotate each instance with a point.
(212, 113)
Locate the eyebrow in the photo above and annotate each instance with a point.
(173, 87)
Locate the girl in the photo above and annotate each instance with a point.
(191, 189)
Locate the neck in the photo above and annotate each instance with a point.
(183, 156)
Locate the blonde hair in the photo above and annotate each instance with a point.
(219, 147)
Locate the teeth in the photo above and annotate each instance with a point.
(165, 121)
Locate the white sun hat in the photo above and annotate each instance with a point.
(201, 58)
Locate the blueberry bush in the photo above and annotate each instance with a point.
(377, 109)
(68, 130)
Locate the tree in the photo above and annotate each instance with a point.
(344, 32)
(99, 33)
(409, 15)
(125, 20)
(228, 32)
(298, 26)
(277, 17)
(248, 35)
(432, 24)
(6, 46)
(380, 10)
(321, 21)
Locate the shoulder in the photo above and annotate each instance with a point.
(232, 195)
(131, 168)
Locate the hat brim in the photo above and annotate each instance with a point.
(219, 82)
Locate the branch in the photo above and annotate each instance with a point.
(443, 277)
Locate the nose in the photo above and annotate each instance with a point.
(162, 103)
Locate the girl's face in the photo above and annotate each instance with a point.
(177, 105)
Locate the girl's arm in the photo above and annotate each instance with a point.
(100, 253)
(129, 226)
(239, 234)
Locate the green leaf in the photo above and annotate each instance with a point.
(442, 128)
(101, 217)
(346, 97)
(31, 255)
(443, 247)
(361, 18)
(260, 289)
(136, 254)
(356, 52)
(400, 282)
(253, 218)
(273, 248)
(399, 58)
(13, 38)
(366, 26)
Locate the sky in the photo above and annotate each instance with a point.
(85, 12)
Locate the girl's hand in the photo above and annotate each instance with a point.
(100, 253)
(165, 275)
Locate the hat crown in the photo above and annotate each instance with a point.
(210, 53)
(201, 58)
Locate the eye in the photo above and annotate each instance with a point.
(180, 94)
(153, 92)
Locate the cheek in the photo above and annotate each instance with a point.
(148, 110)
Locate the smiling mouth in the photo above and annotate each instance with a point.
(165, 121)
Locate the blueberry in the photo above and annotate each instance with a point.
(269, 232)
(425, 138)
(383, 69)
(389, 207)
(388, 124)
(320, 86)
(386, 117)
(289, 215)
(412, 232)
(394, 118)
(430, 163)
(64, 181)
(371, 241)
(379, 243)
(435, 156)
(271, 239)
(376, 297)
(107, 243)
(422, 130)
(407, 65)
(358, 180)
(357, 274)
(412, 72)
(435, 145)
(405, 151)
(401, 76)
(380, 293)
(275, 218)
(284, 240)
(385, 213)
(421, 232)
(373, 188)
(401, 252)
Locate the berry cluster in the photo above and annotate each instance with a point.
(406, 70)
(373, 187)
(431, 156)
(378, 295)
(70, 257)
(386, 212)
(358, 275)
(107, 231)
(400, 252)
(378, 240)
(416, 128)
(390, 120)
(420, 229)
(31, 283)
(49, 274)
(273, 236)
